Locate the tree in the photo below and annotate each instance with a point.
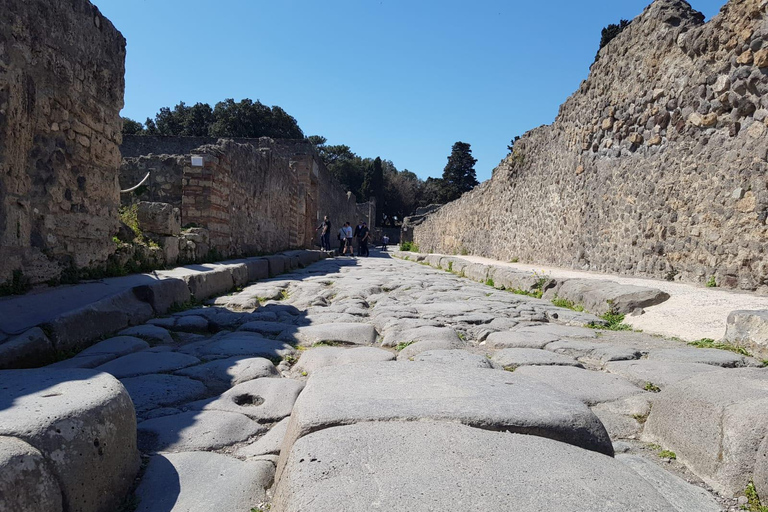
(459, 174)
(251, 119)
(373, 184)
(511, 146)
(131, 127)
(609, 33)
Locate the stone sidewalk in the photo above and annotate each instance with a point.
(377, 383)
(691, 313)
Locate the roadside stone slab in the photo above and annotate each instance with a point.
(349, 333)
(223, 374)
(264, 400)
(83, 423)
(28, 349)
(659, 373)
(269, 444)
(513, 358)
(715, 422)
(202, 482)
(748, 329)
(26, 483)
(320, 357)
(195, 431)
(456, 357)
(600, 296)
(711, 356)
(594, 351)
(146, 362)
(152, 391)
(426, 466)
(683, 496)
(399, 391)
(591, 387)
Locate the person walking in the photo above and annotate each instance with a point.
(362, 241)
(384, 242)
(342, 237)
(348, 235)
(356, 234)
(325, 234)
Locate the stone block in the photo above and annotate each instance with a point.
(748, 329)
(258, 268)
(163, 294)
(601, 296)
(159, 218)
(26, 482)
(31, 348)
(277, 264)
(320, 357)
(715, 422)
(87, 434)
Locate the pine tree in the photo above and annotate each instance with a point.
(459, 175)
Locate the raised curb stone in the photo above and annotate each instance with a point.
(26, 483)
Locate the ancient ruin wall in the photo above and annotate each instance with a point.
(656, 166)
(61, 91)
(253, 195)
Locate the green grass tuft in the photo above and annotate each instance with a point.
(710, 343)
(401, 346)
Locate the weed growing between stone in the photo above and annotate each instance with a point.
(753, 500)
(178, 307)
(489, 282)
(667, 454)
(401, 346)
(615, 323)
(653, 388)
(409, 247)
(710, 343)
(711, 283)
(565, 303)
(327, 343)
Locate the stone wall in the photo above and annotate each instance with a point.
(656, 166)
(61, 91)
(252, 195)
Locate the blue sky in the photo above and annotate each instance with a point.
(400, 79)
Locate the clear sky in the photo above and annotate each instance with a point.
(400, 79)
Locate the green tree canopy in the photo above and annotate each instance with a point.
(459, 174)
(609, 33)
(131, 127)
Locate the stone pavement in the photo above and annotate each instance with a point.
(381, 384)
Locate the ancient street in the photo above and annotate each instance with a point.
(381, 383)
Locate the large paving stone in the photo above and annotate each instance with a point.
(116, 346)
(246, 344)
(269, 444)
(151, 333)
(196, 431)
(446, 335)
(426, 466)
(682, 496)
(715, 422)
(262, 327)
(512, 358)
(348, 333)
(147, 362)
(711, 356)
(535, 336)
(417, 348)
(263, 400)
(223, 374)
(593, 351)
(26, 483)
(83, 423)
(748, 329)
(394, 391)
(202, 482)
(659, 373)
(320, 357)
(591, 387)
(152, 391)
(760, 476)
(459, 358)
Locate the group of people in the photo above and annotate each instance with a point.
(346, 237)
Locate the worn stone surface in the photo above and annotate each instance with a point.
(26, 483)
(511, 358)
(455, 357)
(406, 472)
(195, 431)
(320, 357)
(263, 400)
(151, 333)
(246, 344)
(404, 391)
(146, 362)
(223, 374)
(715, 422)
(87, 433)
(748, 329)
(28, 348)
(152, 391)
(658, 373)
(269, 444)
(62, 84)
(638, 192)
(588, 386)
(601, 296)
(709, 356)
(201, 482)
(352, 334)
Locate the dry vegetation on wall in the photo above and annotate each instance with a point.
(656, 166)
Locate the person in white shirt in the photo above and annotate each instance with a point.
(348, 233)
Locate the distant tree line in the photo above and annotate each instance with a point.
(397, 193)
(609, 33)
(229, 118)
